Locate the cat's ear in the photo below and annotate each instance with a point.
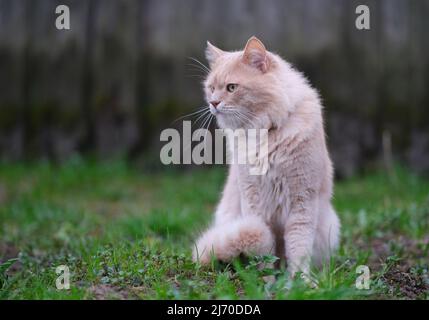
(255, 55)
(212, 53)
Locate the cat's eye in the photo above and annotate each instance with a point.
(231, 87)
(211, 88)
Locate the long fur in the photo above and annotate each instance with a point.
(247, 235)
(288, 210)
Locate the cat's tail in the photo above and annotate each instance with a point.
(248, 235)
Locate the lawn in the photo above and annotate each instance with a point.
(127, 233)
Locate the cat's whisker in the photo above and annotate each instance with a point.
(241, 116)
(235, 114)
(201, 112)
(196, 67)
(208, 127)
(237, 119)
(249, 113)
(189, 145)
(246, 117)
(248, 121)
(200, 63)
(206, 119)
(197, 76)
(201, 109)
(201, 117)
(230, 111)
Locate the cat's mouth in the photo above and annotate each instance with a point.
(214, 111)
(229, 117)
(221, 109)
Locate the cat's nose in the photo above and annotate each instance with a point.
(214, 103)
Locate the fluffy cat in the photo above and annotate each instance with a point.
(287, 211)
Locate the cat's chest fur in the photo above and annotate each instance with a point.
(267, 195)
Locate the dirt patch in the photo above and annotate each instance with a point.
(106, 292)
(9, 251)
(406, 283)
(410, 251)
(406, 258)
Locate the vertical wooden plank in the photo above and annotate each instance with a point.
(87, 142)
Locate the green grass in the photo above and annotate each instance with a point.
(125, 233)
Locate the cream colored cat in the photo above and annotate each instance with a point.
(287, 211)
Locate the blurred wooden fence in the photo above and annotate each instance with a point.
(121, 74)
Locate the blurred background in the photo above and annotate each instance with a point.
(122, 74)
(81, 112)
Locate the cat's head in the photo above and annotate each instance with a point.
(243, 88)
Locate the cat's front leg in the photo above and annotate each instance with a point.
(233, 233)
(299, 232)
(249, 187)
(212, 242)
(229, 207)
